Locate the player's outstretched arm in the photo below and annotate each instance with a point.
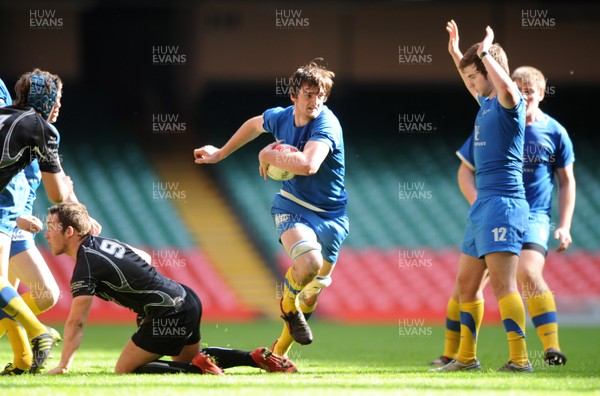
(508, 93)
(249, 130)
(73, 334)
(456, 54)
(566, 206)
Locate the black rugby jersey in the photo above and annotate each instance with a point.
(25, 136)
(111, 270)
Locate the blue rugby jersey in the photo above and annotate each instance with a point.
(498, 149)
(547, 148)
(325, 189)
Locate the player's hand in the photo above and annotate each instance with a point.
(30, 223)
(207, 155)
(487, 41)
(263, 164)
(452, 29)
(56, 370)
(564, 238)
(263, 167)
(96, 227)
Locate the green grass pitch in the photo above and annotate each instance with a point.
(343, 360)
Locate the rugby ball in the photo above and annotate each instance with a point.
(276, 173)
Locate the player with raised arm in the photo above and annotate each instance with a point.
(548, 152)
(168, 312)
(497, 219)
(310, 210)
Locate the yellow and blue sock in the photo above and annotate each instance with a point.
(291, 289)
(14, 306)
(542, 309)
(471, 315)
(452, 334)
(30, 303)
(512, 312)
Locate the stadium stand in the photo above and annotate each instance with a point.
(407, 218)
(387, 223)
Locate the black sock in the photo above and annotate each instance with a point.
(226, 357)
(167, 367)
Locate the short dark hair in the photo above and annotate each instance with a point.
(72, 214)
(314, 75)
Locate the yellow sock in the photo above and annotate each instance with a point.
(20, 344)
(452, 337)
(307, 310)
(471, 315)
(542, 309)
(3, 315)
(31, 303)
(512, 312)
(284, 342)
(12, 304)
(289, 302)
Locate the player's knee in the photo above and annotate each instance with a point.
(307, 258)
(527, 275)
(302, 247)
(47, 298)
(125, 368)
(467, 290)
(120, 370)
(502, 286)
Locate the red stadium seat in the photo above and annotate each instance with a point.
(371, 284)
